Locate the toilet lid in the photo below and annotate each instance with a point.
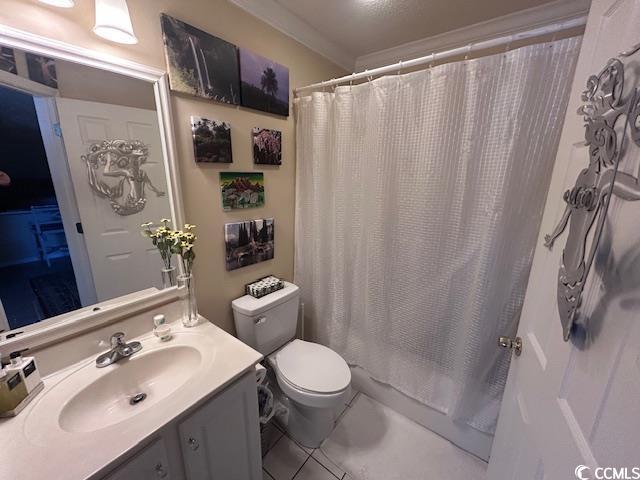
(313, 367)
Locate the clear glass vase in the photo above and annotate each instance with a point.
(187, 292)
(168, 277)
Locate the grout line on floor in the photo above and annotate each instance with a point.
(296, 474)
(268, 474)
(330, 472)
(340, 416)
(271, 447)
(307, 450)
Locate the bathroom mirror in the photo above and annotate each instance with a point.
(86, 157)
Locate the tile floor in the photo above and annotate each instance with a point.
(374, 442)
(284, 459)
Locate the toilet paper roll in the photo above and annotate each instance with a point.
(261, 373)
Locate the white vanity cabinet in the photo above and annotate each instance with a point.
(220, 440)
(150, 463)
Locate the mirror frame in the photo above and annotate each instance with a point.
(57, 328)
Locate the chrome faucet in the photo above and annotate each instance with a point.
(119, 350)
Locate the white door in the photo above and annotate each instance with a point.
(122, 261)
(47, 113)
(576, 403)
(4, 323)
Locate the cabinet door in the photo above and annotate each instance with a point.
(151, 463)
(221, 440)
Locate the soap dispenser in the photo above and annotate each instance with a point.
(13, 391)
(27, 368)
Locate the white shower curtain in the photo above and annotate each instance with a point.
(418, 203)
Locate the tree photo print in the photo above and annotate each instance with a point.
(211, 140)
(264, 84)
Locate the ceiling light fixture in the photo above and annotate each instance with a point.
(113, 21)
(60, 3)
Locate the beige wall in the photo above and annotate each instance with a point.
(216, 287)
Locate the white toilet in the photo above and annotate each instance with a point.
(314, 379)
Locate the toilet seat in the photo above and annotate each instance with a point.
(311, 374)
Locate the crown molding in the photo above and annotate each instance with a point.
(512, 24)
(274, 14)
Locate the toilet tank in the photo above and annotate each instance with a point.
(267, 323)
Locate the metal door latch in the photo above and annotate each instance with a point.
(514, 343)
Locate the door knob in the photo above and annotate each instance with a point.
(161, 472)
(514, 343)
(193, 443)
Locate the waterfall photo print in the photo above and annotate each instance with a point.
(200, 64)
(8, 60)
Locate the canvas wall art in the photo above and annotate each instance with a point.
(242, 190)
(264, 84)
(211, 140)
(248, 242)
(42, 70)
(267, 146)
(8, 60)
(199, 63)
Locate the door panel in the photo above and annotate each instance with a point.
(576, 403)
(122, 261)
(152, 463)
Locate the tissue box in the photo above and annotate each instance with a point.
(264, 286)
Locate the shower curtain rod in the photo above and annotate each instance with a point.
(482, 45)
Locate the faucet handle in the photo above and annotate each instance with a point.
(117, 339)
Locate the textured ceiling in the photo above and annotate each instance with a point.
(365, 26)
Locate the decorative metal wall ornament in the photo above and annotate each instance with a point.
(121, 159)
(610, 115)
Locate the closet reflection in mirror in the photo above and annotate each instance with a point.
(81, 167)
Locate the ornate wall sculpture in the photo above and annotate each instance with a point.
(123, 160)
(611, 116)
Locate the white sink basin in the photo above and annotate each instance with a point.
(146, 377)
(89, 399)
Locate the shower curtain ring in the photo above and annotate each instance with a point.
(433, 59)
(399, 67)
(469, 48)
(368, 76)
(508, 46)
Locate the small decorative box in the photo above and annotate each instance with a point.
(264, 286)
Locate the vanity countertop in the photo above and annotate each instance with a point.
(37, 445)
